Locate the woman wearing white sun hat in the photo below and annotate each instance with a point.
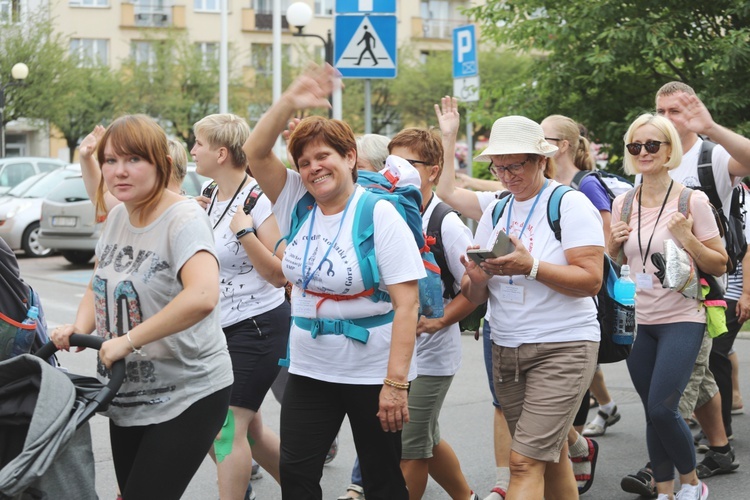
(543, 322)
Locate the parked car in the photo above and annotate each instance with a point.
(21, 209)
(15, 170)
(68, 222)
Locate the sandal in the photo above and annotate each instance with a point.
(360, 493)
(581, 464)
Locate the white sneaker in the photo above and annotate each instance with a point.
(690, 492)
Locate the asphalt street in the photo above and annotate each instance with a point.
(466, 419)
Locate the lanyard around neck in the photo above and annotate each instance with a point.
(239, 188)
(648, 246)
(307, 277)
(528, 217)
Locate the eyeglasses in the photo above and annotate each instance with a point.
(634, 148)
(552, 139)
(514, 169)
(414, 163)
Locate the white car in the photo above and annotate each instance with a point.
(21, 210)
(68, 222)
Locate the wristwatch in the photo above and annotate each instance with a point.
(534, 269)
(243, 232)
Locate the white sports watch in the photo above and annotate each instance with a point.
(534, 269)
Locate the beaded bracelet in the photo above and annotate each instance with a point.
(136, 350)
(397, 385)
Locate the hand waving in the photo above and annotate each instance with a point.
(447, 115)
(89, 143)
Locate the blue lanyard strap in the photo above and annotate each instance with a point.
(307, 277)
(528, 217)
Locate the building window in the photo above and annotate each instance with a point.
(90, 51)
(206, 5)
(10, 11)
(208, 52)
(88, 3)
(266, 6)
(324, 7)
(261, 55)
(143, 53)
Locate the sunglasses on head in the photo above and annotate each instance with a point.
(634, 148)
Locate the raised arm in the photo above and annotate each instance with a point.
(309, 90)
(90, 170)
(463, 200)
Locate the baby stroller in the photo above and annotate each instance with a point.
(45, 440)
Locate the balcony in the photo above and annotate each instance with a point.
(260, 21)
(441, 29)
(155, 15)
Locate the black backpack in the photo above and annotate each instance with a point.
(471, 322)
(607, 180)
(734, 225)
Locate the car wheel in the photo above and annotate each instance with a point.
(30, 242)
(77, 256)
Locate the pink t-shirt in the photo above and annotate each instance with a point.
(660, 305)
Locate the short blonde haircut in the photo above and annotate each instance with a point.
(179, 160)
(664, 126)
(225, 131)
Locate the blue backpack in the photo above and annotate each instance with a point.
(606, 306)
(407, 200)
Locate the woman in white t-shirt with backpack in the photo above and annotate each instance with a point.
(254, 312)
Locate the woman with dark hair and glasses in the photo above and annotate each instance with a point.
(543, 327)
(670, 326)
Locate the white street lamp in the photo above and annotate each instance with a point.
(19, 72)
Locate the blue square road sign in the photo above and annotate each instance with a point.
(365, 46)
(465, 52)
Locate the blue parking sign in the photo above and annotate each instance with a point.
(465, 62)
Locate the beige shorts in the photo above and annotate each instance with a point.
(540, 387)
(702, 386)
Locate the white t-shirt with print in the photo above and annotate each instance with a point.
(439, 353)
(244, 292)
(336, 358)
(138, 275)
(545, 315)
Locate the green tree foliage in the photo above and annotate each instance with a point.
(602, 62)
(35, 43)
(175, 85)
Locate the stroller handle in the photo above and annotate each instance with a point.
(107, 392)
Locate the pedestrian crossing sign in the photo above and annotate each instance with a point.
(365, 46)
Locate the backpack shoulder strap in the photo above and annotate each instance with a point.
(706, 174)
(627, 205)
(499, 208)
(252, 198)
(553, 209)
(301, 211)
(683, 203)
(208, 191)
(434, 229)
(363, 234)
(578, 178)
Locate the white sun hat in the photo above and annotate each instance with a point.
(512, 135)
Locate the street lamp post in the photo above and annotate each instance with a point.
(19, 72)
(299, 15)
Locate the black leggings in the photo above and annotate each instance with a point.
(721, 366)
(158, 461)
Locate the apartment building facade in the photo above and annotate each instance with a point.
(110, 31)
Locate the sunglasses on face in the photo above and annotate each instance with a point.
(514, 169)
(634, 148)
(414, 163)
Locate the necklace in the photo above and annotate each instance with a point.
(239, 188)
(640, 209)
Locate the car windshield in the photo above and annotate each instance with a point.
(47, 183)
(24, 185)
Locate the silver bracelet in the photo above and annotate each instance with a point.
(136, 350)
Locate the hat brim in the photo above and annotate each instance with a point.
(494, 151)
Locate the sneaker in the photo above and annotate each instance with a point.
(717, 463)
(593, 429)
(353, 491)
(641, 483)
(738, 409)
(690, 492)
(584, 467)
(249, 493)
(333, 450)
(497, 493)
(257, 473)
(702, 444)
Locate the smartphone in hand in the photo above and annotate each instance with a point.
(502, 246)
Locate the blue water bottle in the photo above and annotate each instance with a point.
(624, 333)
(25, 337)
